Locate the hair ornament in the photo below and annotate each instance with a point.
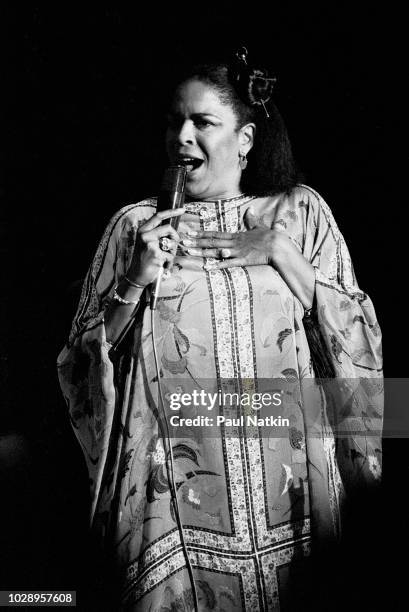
(253, 84)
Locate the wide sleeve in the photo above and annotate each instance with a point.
(346, 322)
(85, 370)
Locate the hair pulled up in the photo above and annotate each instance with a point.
(271, 167)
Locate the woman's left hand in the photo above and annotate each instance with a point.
(259, 245)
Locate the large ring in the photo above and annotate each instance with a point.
(225, 253)
(164, 243)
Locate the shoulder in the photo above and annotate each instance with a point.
(303, 197)
(316, 202)
(303, 214)
(307, 202)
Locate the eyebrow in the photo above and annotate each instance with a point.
(205, 114)
(195, 115)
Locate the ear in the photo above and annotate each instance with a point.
(246, 137)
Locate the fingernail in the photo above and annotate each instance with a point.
(194, 251)
(187, 242)
(192, 233)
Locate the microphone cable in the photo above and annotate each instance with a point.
(170, 469)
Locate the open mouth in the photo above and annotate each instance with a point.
(191, 163)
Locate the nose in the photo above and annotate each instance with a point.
(185, 133)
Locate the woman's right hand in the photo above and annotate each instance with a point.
(148, 258)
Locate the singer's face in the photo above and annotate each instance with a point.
(202, 128)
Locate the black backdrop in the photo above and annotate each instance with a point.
(85, 92)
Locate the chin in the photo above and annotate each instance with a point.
(195, 191)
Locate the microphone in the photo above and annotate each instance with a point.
(171, 195)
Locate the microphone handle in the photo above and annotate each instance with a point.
(167, 200)
(155, 288)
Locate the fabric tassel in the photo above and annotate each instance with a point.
(321, 359)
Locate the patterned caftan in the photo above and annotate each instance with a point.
(252, 501)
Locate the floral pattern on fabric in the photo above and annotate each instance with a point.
(250, 504)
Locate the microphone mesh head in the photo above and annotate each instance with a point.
(174, 178)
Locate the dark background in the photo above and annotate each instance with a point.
(85, 93)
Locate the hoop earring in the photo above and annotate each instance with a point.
(242, 161)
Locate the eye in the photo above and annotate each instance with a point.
(202, 123)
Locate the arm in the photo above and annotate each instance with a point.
(342, 329)
(312, 257)
(259, 245)
(297, 272)
(85, 369)
(286, 258)
(147, 260)
(346, 320)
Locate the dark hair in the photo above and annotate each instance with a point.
(271, 167)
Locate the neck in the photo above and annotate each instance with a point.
(230, 189)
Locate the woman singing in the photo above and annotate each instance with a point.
(260, 288)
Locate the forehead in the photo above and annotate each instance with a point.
(196, 97)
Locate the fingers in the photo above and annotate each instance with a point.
(168, 258)
(211, 236)
(214, 253)
(216, 245)
(166, 230)
(168, 269)
(160, 232)
(208, 242)
(157, 219)
(204, 253)
(227, 263)
(159, 257)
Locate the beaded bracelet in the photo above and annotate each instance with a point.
(118, 298)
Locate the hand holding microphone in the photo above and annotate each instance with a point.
(150, 256)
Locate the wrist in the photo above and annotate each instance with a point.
(132, 283)
(129, 291)
(279, 248)
(134, 278)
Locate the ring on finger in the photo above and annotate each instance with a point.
(225, 253)
(164, 243)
